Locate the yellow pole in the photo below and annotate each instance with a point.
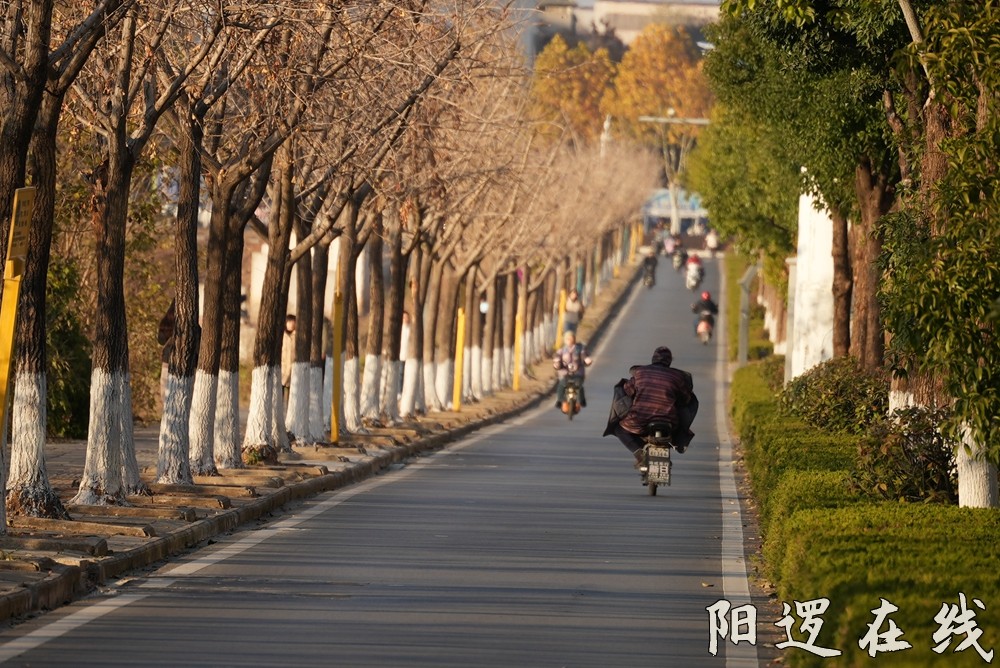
(562, 319)
(459, 361)
(338, 343)
(518, 334)
(17, 250)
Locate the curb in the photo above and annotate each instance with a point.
(61, 584)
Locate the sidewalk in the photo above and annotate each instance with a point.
(47, 563)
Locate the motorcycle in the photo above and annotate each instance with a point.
(655, 465)
(649, 278)
(706, 323)
(693, 277)
(571, 398)
(680, 257)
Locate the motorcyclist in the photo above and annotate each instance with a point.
(704, 308)
(570, 360)
(649, 266)
(695, 272)
(658, 393)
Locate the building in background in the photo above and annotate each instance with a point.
(617, 22)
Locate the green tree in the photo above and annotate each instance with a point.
(943, 249)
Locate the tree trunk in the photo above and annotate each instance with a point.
(842, 284)
(265, 435)
(444, 339)
(111, 472)
(412, 399)
(297, 413)
(28, 488)
(489, 320)
(509, 312)
(206, 381)
(392, 343)
(226, 450)
(875, 197)
(350, 252)
(20, 99)
(173, 465)
(371, 384)
(318, 336)
(472, 379)
(431, 314)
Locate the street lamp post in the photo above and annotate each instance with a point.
(670, 118)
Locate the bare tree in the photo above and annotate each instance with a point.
(111, 471)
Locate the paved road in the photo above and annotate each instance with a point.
(529, 544)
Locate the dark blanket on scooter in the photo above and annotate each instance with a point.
(681, 435)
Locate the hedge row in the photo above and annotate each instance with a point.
(823, 540)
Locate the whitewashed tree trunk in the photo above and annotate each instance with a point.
(297, 413)
(279, 433)
(102, 482)
(130, 465)
(487, 376)
(352, 398)
(508, 366)
(202, 429)
(28, 488)
(412, 373)
(391, 391)
(474, 372)
(498, 364)
(433, 400)
(977, 477)
(173, 465)
(420, 398)
(317, 428)
(372, 376)
(259, 415)
(228, 453)
(327, 400)
(444, 383)
(467, 374)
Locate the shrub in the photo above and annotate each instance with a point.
(905, 457)
(918, 557)
(838, 395)
(772, 370)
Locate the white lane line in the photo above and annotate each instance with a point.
(61, 627)
(94, 611)
(735, 587)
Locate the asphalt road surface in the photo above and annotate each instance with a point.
(531, 543)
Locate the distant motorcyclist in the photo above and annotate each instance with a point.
(658, 393)
(649, 267)
(695, 272)
(705, 309)
(570, 360)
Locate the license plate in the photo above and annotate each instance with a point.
(659, 464)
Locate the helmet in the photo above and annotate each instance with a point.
(706, 295)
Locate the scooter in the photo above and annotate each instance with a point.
(654, 467)
(571, 400)
(706, 323)
(680, 258)
(649, 279)
(692, 278)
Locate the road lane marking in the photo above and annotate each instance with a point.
(61, 627)
(735, 586)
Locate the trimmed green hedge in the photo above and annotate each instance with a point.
(823, 540)
(917, 557)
